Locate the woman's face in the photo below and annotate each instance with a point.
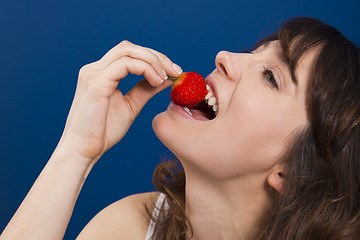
(260, 108)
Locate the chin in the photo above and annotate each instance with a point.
(165, 129)
(159, 125)
(186, 138)
(185, 145)
(172, 135)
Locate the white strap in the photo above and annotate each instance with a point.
(155, 215)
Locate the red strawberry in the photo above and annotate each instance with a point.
(188, 89)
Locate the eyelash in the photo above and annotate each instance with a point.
(269, 77)
(268, 74)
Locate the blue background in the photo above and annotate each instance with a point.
(44, 43)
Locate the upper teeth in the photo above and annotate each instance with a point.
(211, 100)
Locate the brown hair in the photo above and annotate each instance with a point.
(321, 198)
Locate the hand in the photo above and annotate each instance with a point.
(100, 114)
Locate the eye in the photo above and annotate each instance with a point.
(269, 78)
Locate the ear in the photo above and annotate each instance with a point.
(275, 178)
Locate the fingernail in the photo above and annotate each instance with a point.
(177, 68)
(161, 80)
(164, 74)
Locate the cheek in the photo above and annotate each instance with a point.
(249, 137)
(262, 126)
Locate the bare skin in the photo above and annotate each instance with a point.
(220, 205)
(232, 161)
(125, 219)
(227, 190)
(99, 117)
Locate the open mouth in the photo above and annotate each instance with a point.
(206, 109)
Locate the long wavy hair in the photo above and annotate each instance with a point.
(321, 198)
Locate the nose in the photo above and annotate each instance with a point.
(224, 63)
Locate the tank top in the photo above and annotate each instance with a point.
(161, 201)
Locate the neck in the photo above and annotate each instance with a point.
(230, 209)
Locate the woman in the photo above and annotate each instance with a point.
(279, 160)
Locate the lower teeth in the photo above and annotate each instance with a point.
(188, 110)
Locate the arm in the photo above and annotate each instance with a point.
(99, 117)
(47, 208)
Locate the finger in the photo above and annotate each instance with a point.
(141, 93)
(121, 67)
(170, 67)
(126, 48)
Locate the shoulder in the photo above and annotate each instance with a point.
(124, 219)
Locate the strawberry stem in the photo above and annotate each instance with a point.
(172, 78)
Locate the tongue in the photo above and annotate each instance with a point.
(199, 115)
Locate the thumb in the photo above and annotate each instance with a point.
(141, 93)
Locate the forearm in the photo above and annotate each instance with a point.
(46, 210)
